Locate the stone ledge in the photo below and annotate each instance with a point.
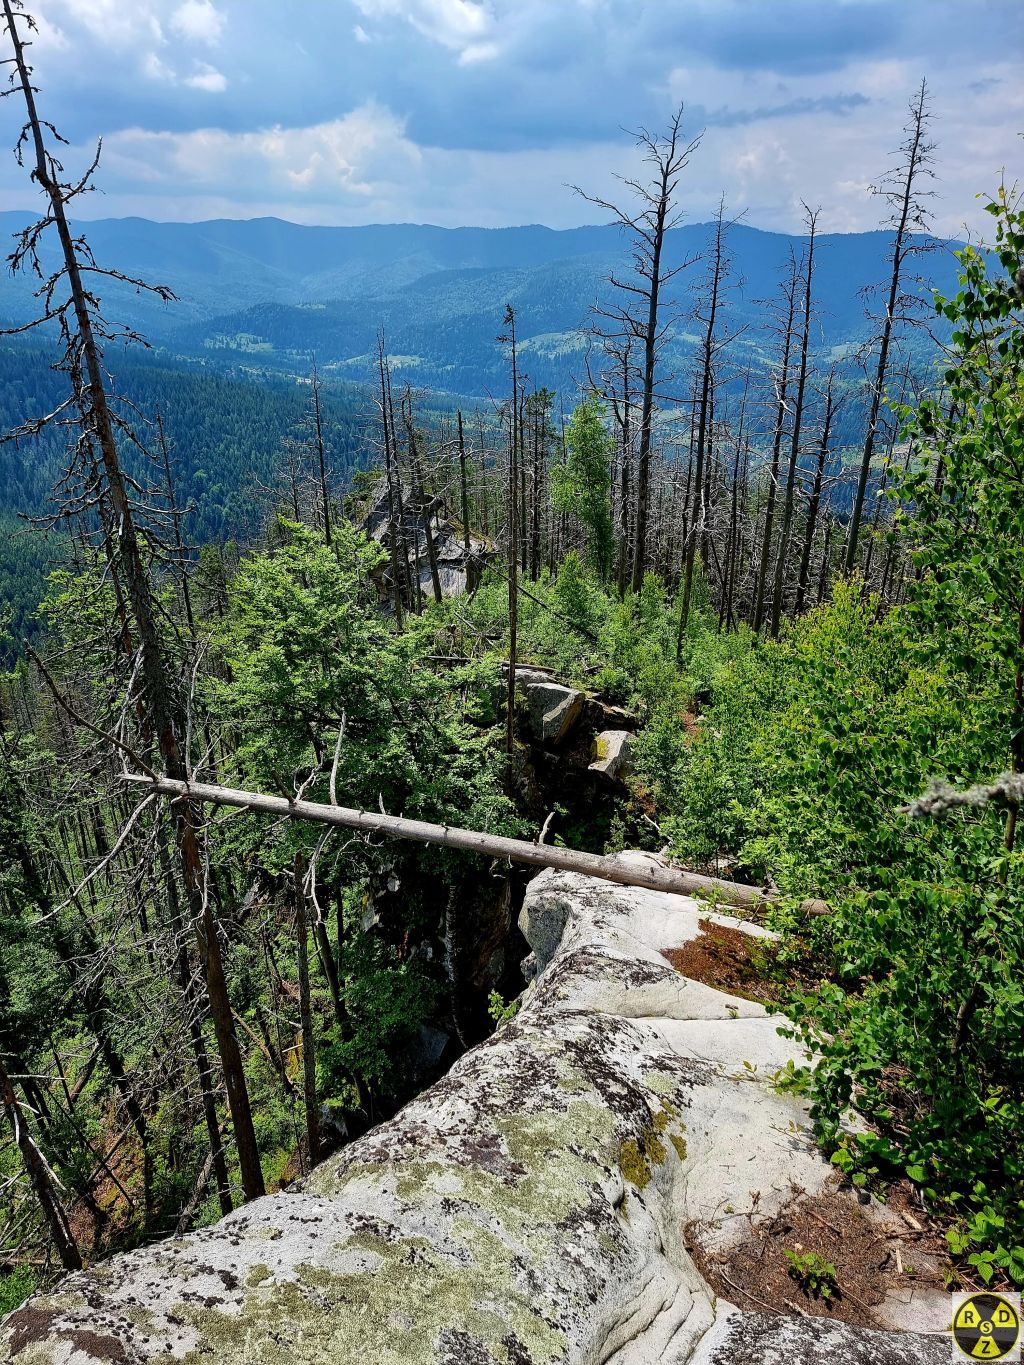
(527, 1209)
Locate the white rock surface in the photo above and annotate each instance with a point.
(527, 1209)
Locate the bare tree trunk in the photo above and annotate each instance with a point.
(703, 410)
(725, 617)
(647, 227)
(40, 1177)
(910, 215)
(536, 481)
(397, 576)
(815, 499)
(513, 534)
(794, 447)
(625, 490)
(318, 427)
(463, 485)
(483, 477)
(532, 854)
(306, 1017)
(193, 1004)
(781, 385)
(420, 496)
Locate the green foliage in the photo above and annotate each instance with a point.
(316, 670)
(385, 1002)
(967, 489)
(813, 1273)
(310, 655)
(581, 485)
(15, 1287)
(500, 1010)
(804, 756)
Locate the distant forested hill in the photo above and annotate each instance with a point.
(267, 293)
(257, 299)
(225, 431)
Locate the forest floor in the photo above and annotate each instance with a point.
(839, 1254)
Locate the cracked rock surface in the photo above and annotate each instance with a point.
(529, 1208)
(552, 710)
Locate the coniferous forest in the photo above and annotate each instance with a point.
(793, 563)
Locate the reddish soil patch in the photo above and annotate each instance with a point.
(858, 1260)
(730, 960)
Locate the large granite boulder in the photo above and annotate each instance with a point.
(613, 753)
(547, 1201)
(552, 710)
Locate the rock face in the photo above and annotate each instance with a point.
(459, 568)
(613, 752)
(529, 1208)
(553, 710)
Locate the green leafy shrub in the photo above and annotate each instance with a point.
(15, 1287)
(813, 1273)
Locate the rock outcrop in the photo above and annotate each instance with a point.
(547, 1201)
(613, 752)
(459, 567)
(552, 710)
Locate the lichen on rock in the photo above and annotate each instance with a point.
(529, 1208)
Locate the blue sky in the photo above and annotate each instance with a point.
(482, 111)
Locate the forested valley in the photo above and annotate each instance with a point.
(791, 571)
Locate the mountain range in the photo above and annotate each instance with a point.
(264, 294)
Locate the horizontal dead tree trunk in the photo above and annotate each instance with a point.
(654, 878)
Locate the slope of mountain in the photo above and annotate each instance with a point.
(268, 293)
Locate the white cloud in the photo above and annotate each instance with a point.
(116, 24)
(479, 52)
(364, 154)
(207, 77)
(198, 20)
(202, 77)
(572, 72)
(154, 66)
(466, 27)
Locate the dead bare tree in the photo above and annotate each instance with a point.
(901, 188)
(321, 450)
(422, 502)
(306, 1013)
(780, 383)
(708, 314)
(72, 303)
(40, 1176)
(832, 406)
(789, 500)
(642, 315)
(508, 337)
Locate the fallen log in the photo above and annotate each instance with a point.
(609, 869)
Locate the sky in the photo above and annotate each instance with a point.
(485, 112)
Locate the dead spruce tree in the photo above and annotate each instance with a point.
(508, 337)
(780, 378)
(789, 499)
(708, 314)
(69, 299)
(642, 314)
(902, 188)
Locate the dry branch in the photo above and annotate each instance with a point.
(654, 878)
